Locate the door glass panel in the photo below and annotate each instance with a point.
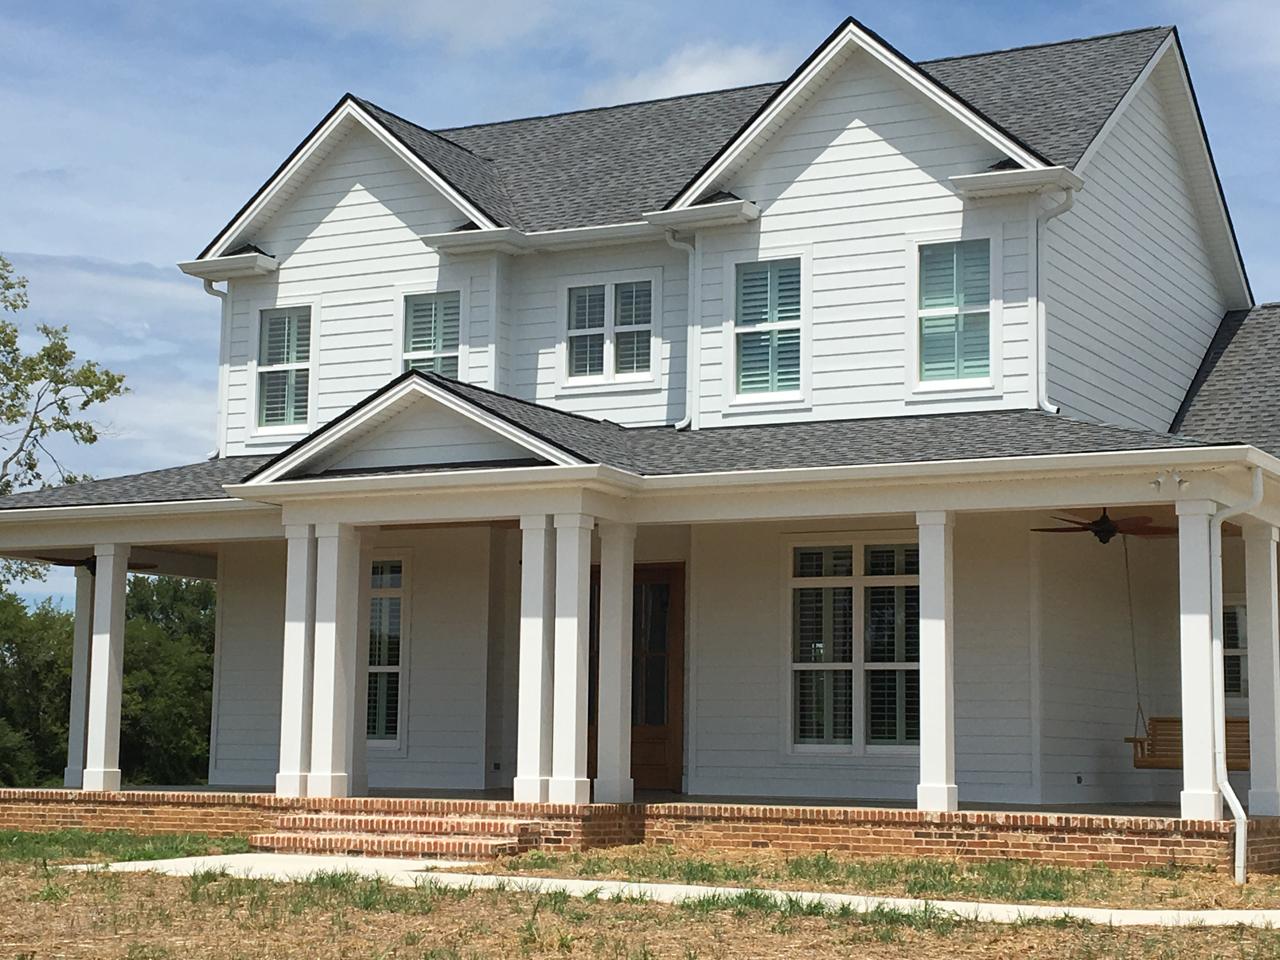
(649, 654)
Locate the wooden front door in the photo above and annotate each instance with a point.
(657, 676)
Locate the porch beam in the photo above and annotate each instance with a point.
(1262, 583)
(334, 678)
(569, 783)
(106, 668)
(937, 787)
(1200, 798)
(537, 639)
(81, 641)
(299, 662)
(613, 782)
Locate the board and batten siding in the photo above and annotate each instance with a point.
(855, 173)
(348, 243)
(1132, 301)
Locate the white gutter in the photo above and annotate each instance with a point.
(1219, 693)
(1042, 318)
(221, 412)
(693, 328)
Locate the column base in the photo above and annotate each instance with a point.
(100, 780)
(614, 791)
(1201, 804)
(530, 789)
(1264, 803)
(328, 785)
(72, 778)
(939, 797)
(291, 784)
(569, 790)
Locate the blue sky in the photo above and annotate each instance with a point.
(134, 130)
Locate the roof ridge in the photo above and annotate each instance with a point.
(449, 384)
(1046, 43)
(426, 130)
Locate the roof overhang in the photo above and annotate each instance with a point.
(1006, 183)
(230, 268)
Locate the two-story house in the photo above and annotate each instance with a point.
(731, 445)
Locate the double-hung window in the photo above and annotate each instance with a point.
(1235, 652)
(284, 366)
(609, 334)
(432, 332)
(954, 310)
(855, 644)
(387, 601)
(767, 326)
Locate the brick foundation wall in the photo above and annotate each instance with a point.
(1073, 840)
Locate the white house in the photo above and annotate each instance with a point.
(704, 445)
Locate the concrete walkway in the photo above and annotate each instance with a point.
(277, 866)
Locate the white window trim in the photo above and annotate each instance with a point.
(402, 293)
(291, 431)
(1240, 705)
(991, 385)
(609, 381)
(837, 752)
(745, 403)
(398, 747)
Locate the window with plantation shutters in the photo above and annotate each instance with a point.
(855, 644)
(432, 332)
(767, 326)
(954, 310)
(1235, 652)
(387, 615)
(284, 366)
(609, 330)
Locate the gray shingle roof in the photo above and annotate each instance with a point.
(612, 164)
(196, 481)
(1235, 395)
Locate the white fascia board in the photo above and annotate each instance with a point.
(316, 446)
(834, 50)
(111, 511)
(513, 241)
(1004, 183)
(719, 214)
(348, 111)
(230, 268)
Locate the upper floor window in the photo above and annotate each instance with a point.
(432, 325)
(954, 310)
(767, 326)
(609, 331)
(284, 366)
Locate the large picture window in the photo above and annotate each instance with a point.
(855, 644)
(284, 366)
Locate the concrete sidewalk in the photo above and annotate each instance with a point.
(285, 867)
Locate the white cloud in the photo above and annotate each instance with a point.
(1244, 35)
(696, 68)
(477, 24)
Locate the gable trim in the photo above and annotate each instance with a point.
(411, 382)
(344, 109)
(851, 31)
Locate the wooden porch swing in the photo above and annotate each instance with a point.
(1161, 747)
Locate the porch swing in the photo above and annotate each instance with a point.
(1159, 746)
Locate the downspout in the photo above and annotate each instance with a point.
(213, 291)
(693, 329)
(1042, 319)
(1219, 693)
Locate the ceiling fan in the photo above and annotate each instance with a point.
(1105, 529)
(91, 564)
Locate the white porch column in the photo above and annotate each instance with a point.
(937, 787)
(569, 783)
(1200, 797)
(333, 689)
(82, 637)
(537, 638)
(613, 725)
(299, 653)
(106, 668)
(1263, 637)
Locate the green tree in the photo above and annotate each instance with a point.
(35, 687)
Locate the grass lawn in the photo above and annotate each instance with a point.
(45, 912)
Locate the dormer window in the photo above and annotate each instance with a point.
(284, 367)
(954, 310)
(432, 324)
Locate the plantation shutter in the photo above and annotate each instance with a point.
(768, 294)
(284, 348)
(954, 310)
(633, 307)
(586, 313)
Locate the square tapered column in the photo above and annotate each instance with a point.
(537, 639)
(81, 641)
(937, 787)
(1263, 639)
(569, 783)
(334, 673)
(106, 668)
(1200, 797)
(613, 726)
(299, 654)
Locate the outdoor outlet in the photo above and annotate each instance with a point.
(1079, 779)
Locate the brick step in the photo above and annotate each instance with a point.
(428, 825)
(460, 847)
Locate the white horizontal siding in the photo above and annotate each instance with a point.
(426, 433)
